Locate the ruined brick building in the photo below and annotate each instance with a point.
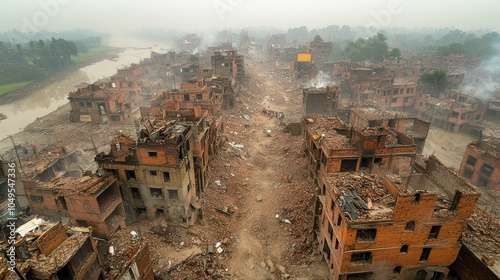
(302, 67)
(320, 50)
(332, 147)
(48, 250)
(452, 113)
(206, 138)
(481, 163)
(156, 172)
(479, 256)
(412, 126)
(48, 163)
(324, 100)
(98, 104)
(87, 201)
(388, 227)
(228, 64)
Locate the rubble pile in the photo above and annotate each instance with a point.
(206, 265)
(482, 234)
(296, 215)
(376, 114)
(363, 197)
(120, 251)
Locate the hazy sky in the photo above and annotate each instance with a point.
(197, 15)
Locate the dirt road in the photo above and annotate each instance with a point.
(273, 226)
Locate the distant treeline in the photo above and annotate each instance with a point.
(37, 59)
(353, 43)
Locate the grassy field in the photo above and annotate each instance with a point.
(13, 86)
(79, 59)
(83, 57)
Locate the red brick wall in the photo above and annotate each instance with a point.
(482, 158)
(391, 235)
(469, 267)
(48, 206)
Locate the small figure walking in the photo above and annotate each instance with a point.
(33, 147)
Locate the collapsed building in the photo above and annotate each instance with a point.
(156, 171)
(126, 256)
(324, 100)
(48, 250)
(320, 50)
(228, 64)
(453, 113)
(302, 67)
(479, 256)
(412, 126)
(48, 163)
(481, 163)
(206, 138)
(332, 147)
(98, 104)
(92, 200)
(371, 227)
(196, 93)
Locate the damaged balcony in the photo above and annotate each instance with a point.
(109, 198)
(114, 220)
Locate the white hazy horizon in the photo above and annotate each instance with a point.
(121, 16)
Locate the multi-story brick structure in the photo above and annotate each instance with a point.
(224, 87)
(412, 126)
(449, 62)
(481, 163)
(196, 93)
(400, 96)
(324, 100)
(206, 138)
(89, 201)
(396, 65)
(98, 104)
(320, 50)
(229, 64)
(393, 228)
(334, 147)
(453, 113)
(493, 111)
(156, 172)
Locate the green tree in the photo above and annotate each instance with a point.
(372, 49)
(436, 79)
(395, 52)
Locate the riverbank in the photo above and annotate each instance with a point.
(103, 52)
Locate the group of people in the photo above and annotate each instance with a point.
(271, 113)
(33, 148)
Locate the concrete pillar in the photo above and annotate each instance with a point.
(151, 212)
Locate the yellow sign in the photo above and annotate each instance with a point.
(85, 118)
(304, 57)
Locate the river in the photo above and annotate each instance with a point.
(48, 98)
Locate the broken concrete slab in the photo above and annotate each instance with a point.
(282, 269)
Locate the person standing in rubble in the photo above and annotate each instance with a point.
(33, 147)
